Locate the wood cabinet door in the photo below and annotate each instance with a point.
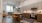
(39, 17)
(26, 15)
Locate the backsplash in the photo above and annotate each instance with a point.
(37, 12)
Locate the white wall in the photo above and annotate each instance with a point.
(1, 11)
(12, 2)
(27, 6)
(36, 12)
(5, 2)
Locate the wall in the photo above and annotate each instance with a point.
(5, 2)
(1, 11)
(12, 2)
(28, 7)
(36, 12)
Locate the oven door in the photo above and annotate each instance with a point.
(33, 15)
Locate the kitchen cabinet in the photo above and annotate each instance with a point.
(16, 18)
(4, 15)
(26, 15)
(39, 17)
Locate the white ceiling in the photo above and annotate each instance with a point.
(28, 3)
(28, 7)
(12, 1)
(8, 1)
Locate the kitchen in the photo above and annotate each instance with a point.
(21, 11)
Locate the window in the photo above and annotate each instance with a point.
(9, 8)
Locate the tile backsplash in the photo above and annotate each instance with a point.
(37, 12)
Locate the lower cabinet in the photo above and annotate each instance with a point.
(26, 15)
(16, 18)
(39, 17)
